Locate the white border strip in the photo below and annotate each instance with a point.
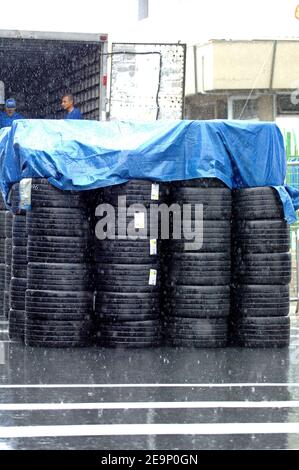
(148, 429)
(147, 405)
(153, 385)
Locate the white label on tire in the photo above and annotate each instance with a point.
(25, 193)
(155, 192)
(139, 219)
(153, 246)
(152, 277)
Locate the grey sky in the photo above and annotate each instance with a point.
(194, 20)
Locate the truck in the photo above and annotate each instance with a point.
(109, 81)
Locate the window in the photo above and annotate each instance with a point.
(240, 107)
(288, 104)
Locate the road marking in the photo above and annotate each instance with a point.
(153, 385)
(147, 405)
(148, 429)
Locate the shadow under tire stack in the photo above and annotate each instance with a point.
(261, 270)
(59, 295)
(197, 302)
(128, 279)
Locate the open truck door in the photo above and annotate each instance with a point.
(147, 81)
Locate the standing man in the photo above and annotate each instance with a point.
(67, 104)
(10, 115)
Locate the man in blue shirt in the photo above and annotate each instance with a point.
(67, 104)
(10, 114)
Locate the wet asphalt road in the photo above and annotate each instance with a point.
(164, 398)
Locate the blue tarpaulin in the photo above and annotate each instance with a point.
(83, 155)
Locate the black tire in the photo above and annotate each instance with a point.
(129, 334)
(58, 344)
(2, 276)
(67, 326)
(121, 316)
(43, 194)
(59, 316)
(19, 231)
(138, 247)
(175, 329)
(58, 222)
(262, 344)
(14, 199)
(8, 250)
(129, 345)
(202, 324)
(56, 305)
(137, 191)
(16, 324)
(262, 236)
(199, 269)
(60, 277)
(7, 276)
(269, 269)
(8, 224)
(257, 203)
(59, 250)
(18, 271)
(6, 303)
(62, 298)
(2, 223)
(126, 306)
(204, 344)
(17, 293)
(122, 326)
(265, 323)
(216, 238)
(123, 258)
(213, 199)
(2, 203)
(127, 276)
(197, 192)
(197, 301)
(126, 252)
(19, 255)
(199, 183)
(260, 300)
(2, 250)
(65, 331)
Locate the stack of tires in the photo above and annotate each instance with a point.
(2, 255)
(17, 288)
(261, 270)
(197, 302)
(128, 277)
(7, 258)
(16, 325)
(59, 295)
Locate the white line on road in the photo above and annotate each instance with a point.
(148, 429)
(154, 385)
(147, 405)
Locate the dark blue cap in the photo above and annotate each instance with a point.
(10, 103)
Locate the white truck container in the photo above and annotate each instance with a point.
(146, 81)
